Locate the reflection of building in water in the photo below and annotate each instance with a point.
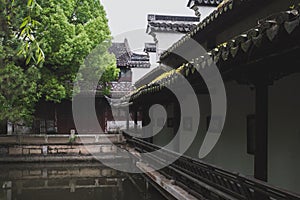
(74, 181)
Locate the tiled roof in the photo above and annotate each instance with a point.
(122, 52)
(139, 61)
(225, 7)
(126, 58)
(173, 18)
(192, 3)
(176, 27)
(139, 64)
(168, 23)
(281, 27)
(139, 57)
(150, 48)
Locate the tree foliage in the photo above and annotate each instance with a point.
(70, 30)
(18, 78)
(42, 45)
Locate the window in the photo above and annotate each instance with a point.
(46, 126)
(42, 126)
(50, 126)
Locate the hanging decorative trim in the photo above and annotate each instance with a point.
(246, 45)
(290, 26)
(272, 32)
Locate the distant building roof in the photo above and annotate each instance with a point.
(150, 48)
(139, 64)
(176, 27)
(213, 3)
(173, 18)
(169, 23)
(139, 57)
(139, 61)
(122, 52)
(126, 58)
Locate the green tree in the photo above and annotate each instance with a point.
(42, 45)
(70, 30)
(18, 79)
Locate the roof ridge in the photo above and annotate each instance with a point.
(156, 17)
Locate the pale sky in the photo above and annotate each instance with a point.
(127, 15)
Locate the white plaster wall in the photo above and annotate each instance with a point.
(204, 104)
(167, 134)
(153, 60)
(140, 72)
(284, 133)
(231, 150)
(166, 40)
(205, 11)
(188, 117)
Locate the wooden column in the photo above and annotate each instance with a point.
(261, 136)
(176, 123)
(144, 116)
(127, 120)
(146, 122)
(135, 119)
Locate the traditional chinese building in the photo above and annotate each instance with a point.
(255, 45)
(126, 61)
(165, 30)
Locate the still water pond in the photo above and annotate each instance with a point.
(71, 181)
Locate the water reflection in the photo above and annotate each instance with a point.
(65, 181)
